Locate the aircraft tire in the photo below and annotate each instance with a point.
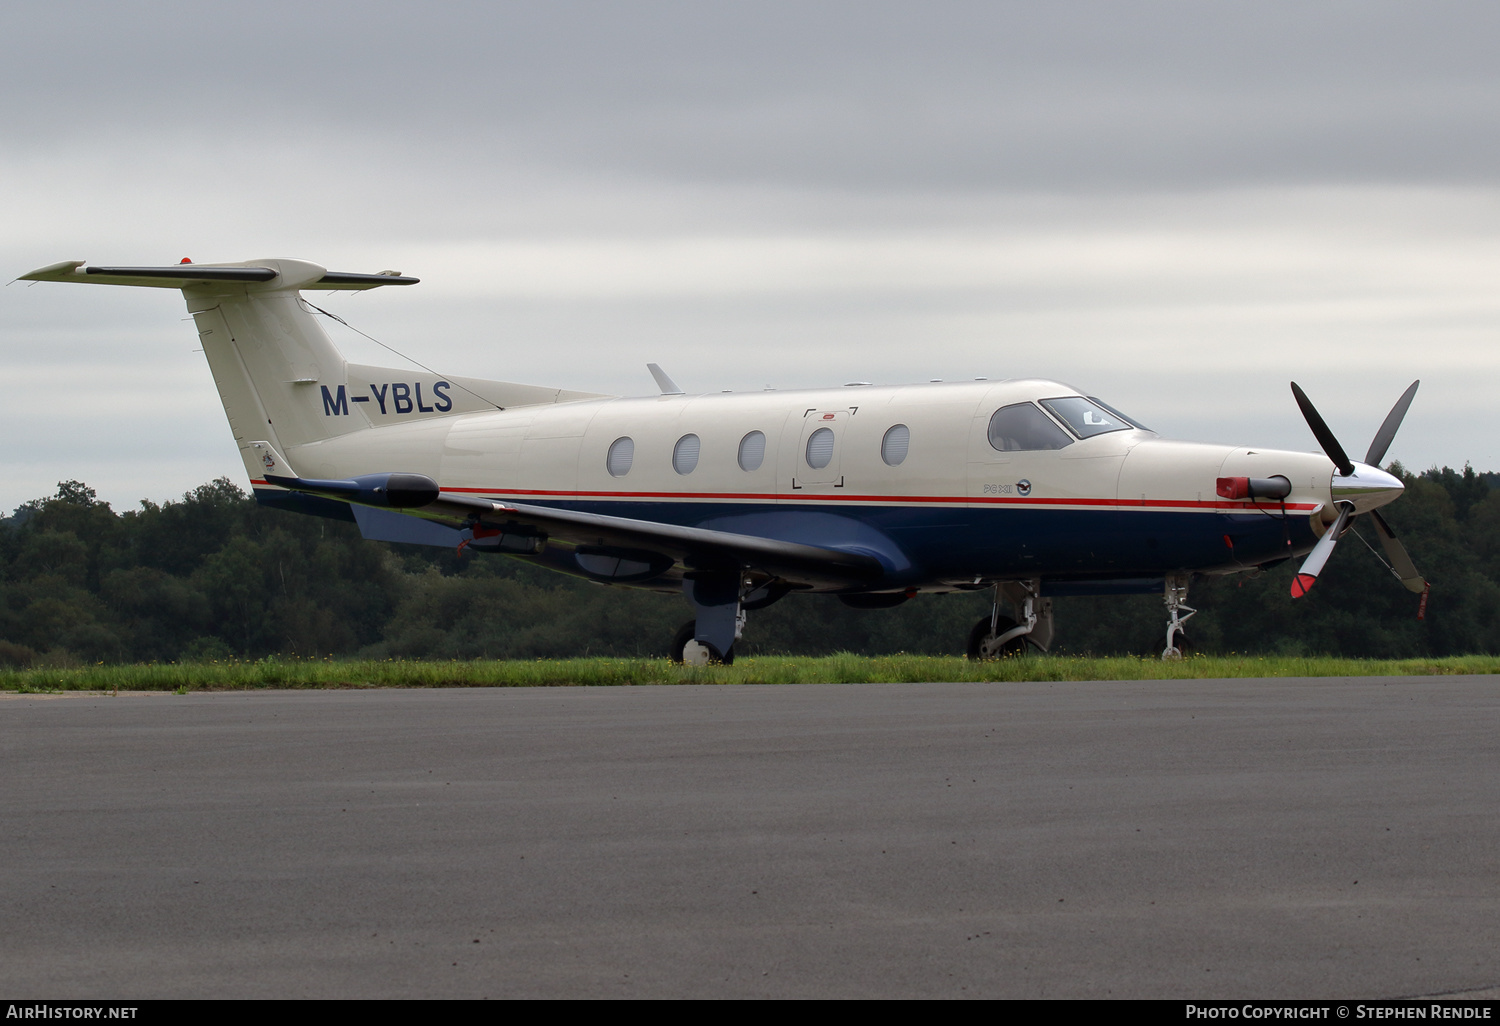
(981, 632)
(1183, 643)
(679, 652)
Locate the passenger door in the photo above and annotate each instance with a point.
(817, 464)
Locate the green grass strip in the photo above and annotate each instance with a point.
(837, 669)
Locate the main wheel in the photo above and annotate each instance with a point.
(689, 651)
(982, 642)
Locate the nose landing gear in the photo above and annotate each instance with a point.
(1175, 597)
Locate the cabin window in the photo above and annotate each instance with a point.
(894, 445)
(685, 454)
(1086, 418)
(1023, 427)
(820, 448)
(752, 451)
(621, 455)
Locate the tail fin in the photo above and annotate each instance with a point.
(281, 379)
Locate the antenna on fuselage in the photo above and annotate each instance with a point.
(666, 384)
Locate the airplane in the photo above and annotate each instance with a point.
(1029, 488)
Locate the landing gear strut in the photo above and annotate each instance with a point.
(1030, 625)
(1175, 596)
(720, 601)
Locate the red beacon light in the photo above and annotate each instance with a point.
(1253, 487)
(185, 260)
(1234, 487)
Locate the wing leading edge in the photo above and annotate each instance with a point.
(620, 548)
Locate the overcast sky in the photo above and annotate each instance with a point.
(1176, 206)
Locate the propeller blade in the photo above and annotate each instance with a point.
(1324, 436)
(1313, 565)
(1387, 430)
(1396, 553)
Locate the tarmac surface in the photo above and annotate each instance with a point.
(1328, 838)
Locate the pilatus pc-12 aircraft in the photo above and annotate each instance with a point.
(870, 493)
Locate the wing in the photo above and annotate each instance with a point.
(609, 547)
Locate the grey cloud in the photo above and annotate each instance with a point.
(834, 95)
(1102, 153)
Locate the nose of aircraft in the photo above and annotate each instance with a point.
(1367, 488)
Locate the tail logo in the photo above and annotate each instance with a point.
(268, 460)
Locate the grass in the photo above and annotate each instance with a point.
(836, 669)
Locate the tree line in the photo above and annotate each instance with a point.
(217, 576)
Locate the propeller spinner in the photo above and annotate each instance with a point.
(1358, 489)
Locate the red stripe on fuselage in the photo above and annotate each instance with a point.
(1014, 500)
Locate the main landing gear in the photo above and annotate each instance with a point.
(1028, 625)
(720, 602)
(688, 650)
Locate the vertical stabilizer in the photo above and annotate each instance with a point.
(283, 382)
(271, 360)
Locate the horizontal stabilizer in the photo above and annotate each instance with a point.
(186, 272)
(350, 280)
(178, 276)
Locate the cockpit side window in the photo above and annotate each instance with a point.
(1110, 409)
(1084, 417)
(1023, 427)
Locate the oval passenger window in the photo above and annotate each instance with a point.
(894, 445)
(685, 454)
(621, 454)
(752, 451)
(820, 448)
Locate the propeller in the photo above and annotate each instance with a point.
(1387, 431)
(1358, 485)
(1312, 566)
(1324, 436)
(1396, 553)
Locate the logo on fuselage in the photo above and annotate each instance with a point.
(1023, 487)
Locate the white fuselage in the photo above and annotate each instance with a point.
(1093, 507)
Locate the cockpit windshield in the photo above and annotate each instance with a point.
(1088, 417)
(1129, 420)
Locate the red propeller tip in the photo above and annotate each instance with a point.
(1302, 585)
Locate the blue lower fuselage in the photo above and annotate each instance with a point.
(947, 544)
